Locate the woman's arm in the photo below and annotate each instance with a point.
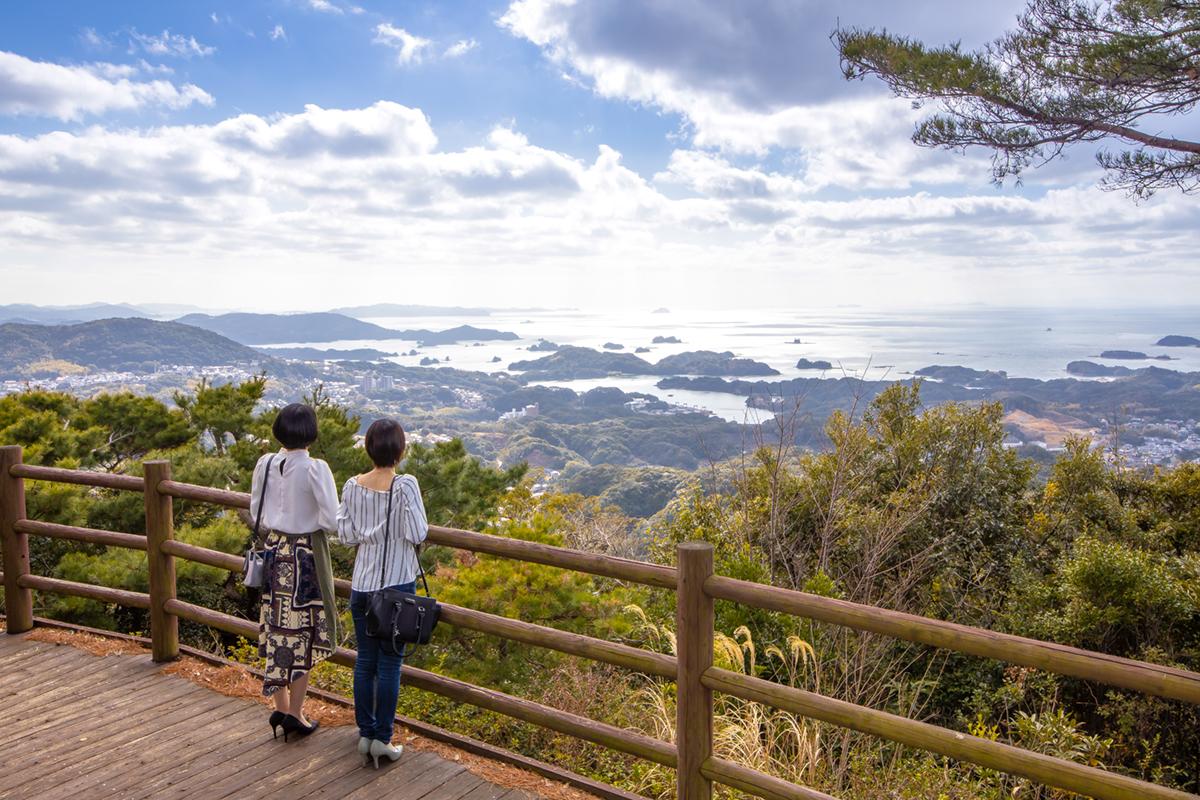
(347, 531)
(325, 491)
(416, 526)
(256, 482)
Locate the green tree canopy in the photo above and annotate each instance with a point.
(1073, 71)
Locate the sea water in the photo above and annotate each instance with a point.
(859, 342)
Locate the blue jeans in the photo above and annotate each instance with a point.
(376, 675)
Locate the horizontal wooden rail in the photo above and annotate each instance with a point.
(101, 593)
(213, 619)
(757, 783)
(621, 655)
(610, 736)
(202, 555)
(600, 733)
(204, 494)
(79, 477)
(592, 563)
(1153, 679)
(1048, 770)
(132, 541)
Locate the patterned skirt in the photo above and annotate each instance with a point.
(293, 632)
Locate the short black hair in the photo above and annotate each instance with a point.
(385, 442)
(295, 426)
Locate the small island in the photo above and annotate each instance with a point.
(574, 363)
(666, 340)
(805, 363)
(1175, 340)
(1132, 355)
(429, 361)
(1090, 369)
(613, 346)
(543, 346)
(642, 350)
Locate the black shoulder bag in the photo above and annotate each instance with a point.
(398, 618)
(254, 568)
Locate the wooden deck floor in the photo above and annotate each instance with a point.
(78, 726)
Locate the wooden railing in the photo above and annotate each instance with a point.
(691, 754)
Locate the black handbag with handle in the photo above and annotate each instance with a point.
(395, 617)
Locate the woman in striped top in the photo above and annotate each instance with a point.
(363, 522)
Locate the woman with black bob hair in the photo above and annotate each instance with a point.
(294, 497)
(363, 521)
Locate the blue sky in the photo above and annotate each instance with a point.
(304, 153)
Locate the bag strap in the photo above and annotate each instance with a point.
(387, 534)
(262, 499)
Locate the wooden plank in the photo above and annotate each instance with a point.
(208, 759)
(174, 742)
(70, 674)
(98, 730)
(115, 753)
(46, 710)
(352, 781)
(232, 757)
(59, 669)
(485, 791)
(399, 782)
(295, 760)
(340, 771)
(461, 785)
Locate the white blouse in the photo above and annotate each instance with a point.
(362, 520)
(301, 494)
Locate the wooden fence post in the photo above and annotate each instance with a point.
(694, 621)
(18, 601)
(160, 527)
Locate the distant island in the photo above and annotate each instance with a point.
(573, 363)
(313, 354)
(1178, 341)
(126, 344)
(543, 346)
(613, 346)
(804, 363)
(666, 340)
(1090, 369)
(327, 327)
(1132, 355)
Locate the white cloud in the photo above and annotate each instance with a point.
(410, 49)
(460, 48)
(752, 78)
(369, 189)
(94, 40)
(169, 44)
(277, 33)
(325, 6)
(42, 88)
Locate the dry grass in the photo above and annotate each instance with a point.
(234, 681)
(88, 642)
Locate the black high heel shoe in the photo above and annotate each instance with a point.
(275, 721)
(293, 725)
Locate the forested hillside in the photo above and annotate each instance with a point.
(914, 508)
